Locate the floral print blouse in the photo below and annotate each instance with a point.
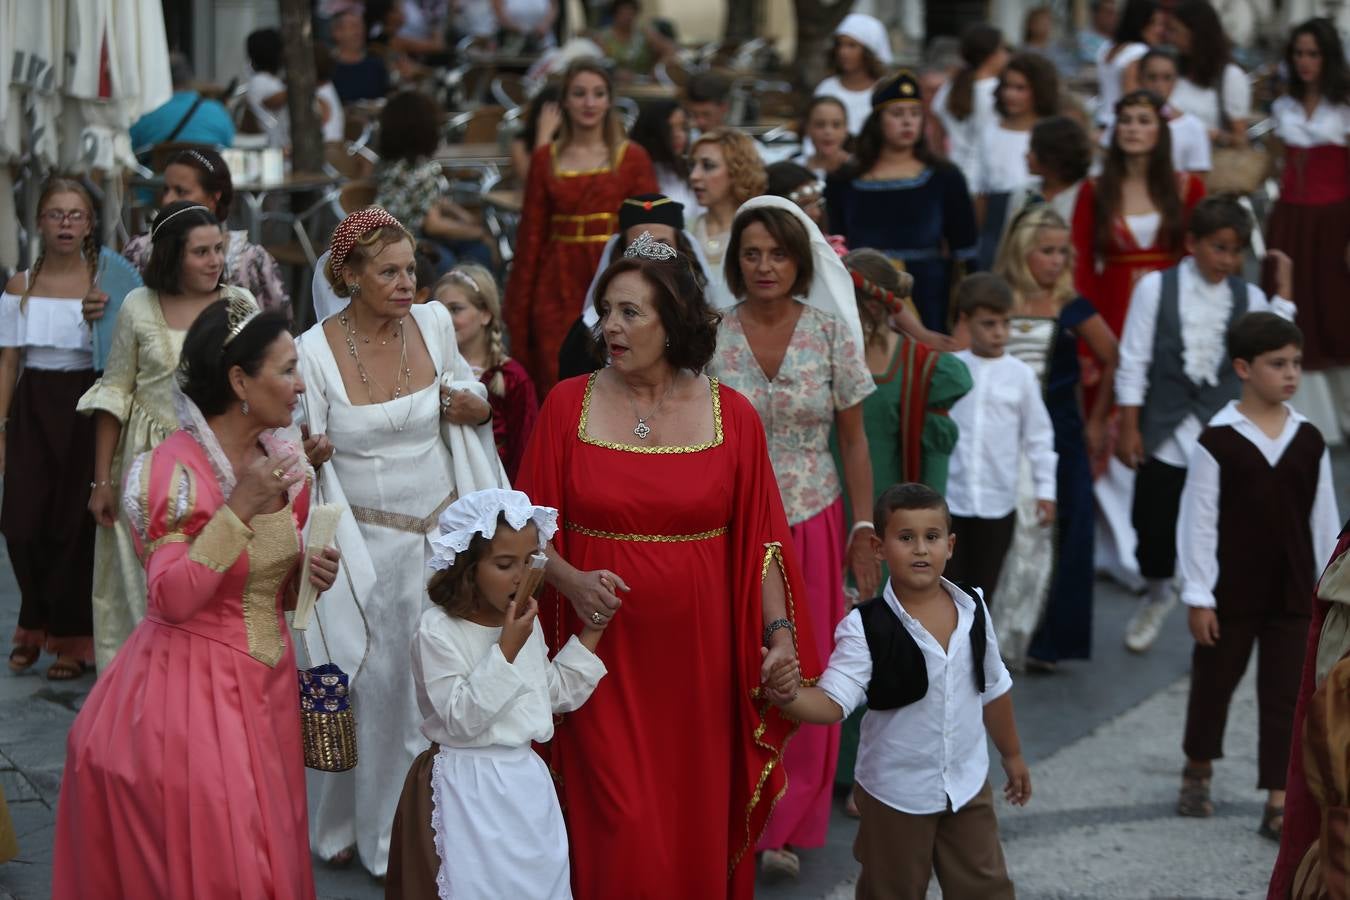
(247, 265)
(407, 188)
(823, 372)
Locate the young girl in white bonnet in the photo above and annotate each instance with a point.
(479, 816)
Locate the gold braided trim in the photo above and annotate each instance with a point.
(271, 560)
(773, 553)
(646, 538)
(632, 448)
(176, 537)
(576, 173)
(399, 521)
(579, 238)
(222, 540)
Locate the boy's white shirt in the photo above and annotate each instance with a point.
(1204, 309)
(919, 757)
(1198, 522)
(1004, 409)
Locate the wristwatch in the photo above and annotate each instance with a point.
(774, 626)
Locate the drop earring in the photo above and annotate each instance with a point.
(243, 407)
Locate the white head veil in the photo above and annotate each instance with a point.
(868, 31)
(326, 301)
(831, 288)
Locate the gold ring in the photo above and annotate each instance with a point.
(278, 474)
(597, 618)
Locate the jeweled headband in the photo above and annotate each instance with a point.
(350, 229)
(648, 247)
(240, 311)
(159, 223)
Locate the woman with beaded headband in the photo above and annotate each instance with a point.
(200, 175)
(793, 345)
(895, 168)
(388, 392)
(667, 505)
(47, 448)
(470, 293)
(184, 771)
(576, 185)
(132, 402)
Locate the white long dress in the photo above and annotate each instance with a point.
(393, 469)
(498, 828)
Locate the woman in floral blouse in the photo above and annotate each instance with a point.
(412, 187)
(200, 175)
(792, 344)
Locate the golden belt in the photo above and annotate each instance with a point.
(399, 521)
(594, 228)
(646, 538)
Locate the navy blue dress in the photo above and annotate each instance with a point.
(927, 223)
(1066, 628)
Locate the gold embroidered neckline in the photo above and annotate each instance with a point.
(630, 448)
(578, 173)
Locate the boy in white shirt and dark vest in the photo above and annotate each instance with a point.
(925, 659)
(1002, 417)
(1174, 376)
(1258, 515)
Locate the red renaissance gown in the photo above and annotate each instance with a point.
(513, 413)
(668, 773)
(184, 772)
(566, 219)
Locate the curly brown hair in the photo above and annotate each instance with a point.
(748, 177)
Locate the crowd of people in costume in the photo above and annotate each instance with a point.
(821, 451)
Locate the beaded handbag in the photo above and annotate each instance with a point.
(327, 725)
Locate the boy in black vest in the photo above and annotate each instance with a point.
(1174, 376)
(1258, 514)
(924, 657)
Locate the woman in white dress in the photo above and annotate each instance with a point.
(1141, 25)
(860, 56)
(383, 377)
(1212, 87)
(966, 103)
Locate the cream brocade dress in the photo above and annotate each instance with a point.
(137, 389)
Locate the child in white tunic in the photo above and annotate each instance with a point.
(486, 689)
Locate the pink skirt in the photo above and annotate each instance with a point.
(802, 816)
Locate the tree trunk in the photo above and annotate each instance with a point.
(298, 55)
(743, 17)
(816, 21)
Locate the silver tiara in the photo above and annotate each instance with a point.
(649, 247)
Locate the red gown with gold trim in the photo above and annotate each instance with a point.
(565, 221)
(668, 773)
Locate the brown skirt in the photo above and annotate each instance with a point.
(413, 863)
(1316, 237)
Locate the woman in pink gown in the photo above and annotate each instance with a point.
(184, 770)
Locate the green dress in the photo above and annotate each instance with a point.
(886, 413)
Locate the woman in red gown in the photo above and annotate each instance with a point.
(185, 770)
(571, 208)
(1129, 221)
(668, 773)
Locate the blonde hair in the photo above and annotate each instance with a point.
(481, 289)
(60, 184)
(1017, 245)
(367, 247)
(748, 175)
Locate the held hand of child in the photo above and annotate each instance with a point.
(781, 679)
(1130, 446)
(1045, 512)
(1018, 789)
(517, 627)
(323, 568)
(1204, 626)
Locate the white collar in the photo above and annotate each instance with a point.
(1231, 415)
(959, 597)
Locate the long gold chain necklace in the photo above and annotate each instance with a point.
(402, 376)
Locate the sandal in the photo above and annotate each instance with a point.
(1272, 822)
(1193, 800)
(66, 668)
(342, 858)
(777, 865)
(851, 806)
(22, 658)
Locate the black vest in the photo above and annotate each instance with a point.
(899, 673)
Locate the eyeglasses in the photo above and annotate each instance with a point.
(74, 216)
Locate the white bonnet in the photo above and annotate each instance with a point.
(478, 513)
(868, 31)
